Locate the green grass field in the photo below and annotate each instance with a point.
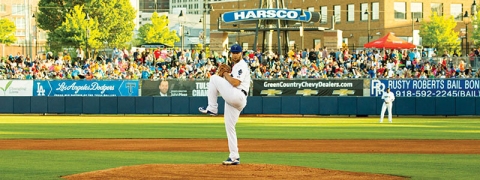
(29, 164)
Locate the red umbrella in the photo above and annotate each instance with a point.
(389, 41)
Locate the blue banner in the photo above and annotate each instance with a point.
(427, 87)
(85, 88)
(256, 14)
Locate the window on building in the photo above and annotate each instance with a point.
(456, 11)
(2, 7)
(20, 33)
(18, 9)
(20, 23)
(337, 11)
(350, 12)
(375, 11)
(400, 9)
(323, 14)
(364, 8)
(417, 10)
(437, 7)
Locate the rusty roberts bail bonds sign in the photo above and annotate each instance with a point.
(308, 87)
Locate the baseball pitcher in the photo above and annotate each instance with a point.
(233, 84)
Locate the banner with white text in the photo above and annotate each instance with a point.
(427, 87)
(174, 87)
(85, 88)
(310, 87)
(16, 87)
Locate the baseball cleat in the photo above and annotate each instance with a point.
(229, 161)
(205, 111)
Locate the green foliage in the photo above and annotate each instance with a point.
(112, 19)
(476, 31)
(439, 33)
(142, 33)
(116, 21)
(159, 31)
(73, 31)
(7, 31)
(51, 13)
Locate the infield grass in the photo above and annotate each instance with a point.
(53, 164)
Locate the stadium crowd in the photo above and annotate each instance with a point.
(190, 64)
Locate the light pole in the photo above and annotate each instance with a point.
(368, 21)
(413, 28)
(466, 20)
(204, 25)
(474, 17)
(87, 18)
(206, 8)
(182, 34)
(301, 30)
(36, 36)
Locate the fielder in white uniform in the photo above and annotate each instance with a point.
(388, 98)
(234, 90)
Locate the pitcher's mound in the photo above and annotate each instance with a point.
(214, 171)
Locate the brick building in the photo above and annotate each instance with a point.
(355, 19)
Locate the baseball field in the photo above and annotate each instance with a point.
(186, 147)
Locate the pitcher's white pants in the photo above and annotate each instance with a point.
(235, 101)
(384, 107)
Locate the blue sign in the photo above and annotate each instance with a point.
(85, 88)
(427, 87)
(256, 14)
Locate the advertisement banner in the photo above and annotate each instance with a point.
(427, 87)
(273, 14)
(16, 87)
(174, 87)
(85, 88)
(308, 87)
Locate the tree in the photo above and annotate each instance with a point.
(142, 33)
(7, 31)
(52, 13)
(73, 31)
(439, 33)
(115, 18)
(159, 32)
(476, 31)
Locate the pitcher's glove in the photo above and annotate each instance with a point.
(224, 68)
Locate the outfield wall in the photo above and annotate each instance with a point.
(256, 105)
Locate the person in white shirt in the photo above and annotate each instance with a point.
(234, 89)
(80, 54)
(388, 98)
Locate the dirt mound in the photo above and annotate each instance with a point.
(218, 171)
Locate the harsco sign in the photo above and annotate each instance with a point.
(282, 14)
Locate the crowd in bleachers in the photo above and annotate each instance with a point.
(191, 64)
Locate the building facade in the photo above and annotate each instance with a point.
(357, 21)
(30, 39)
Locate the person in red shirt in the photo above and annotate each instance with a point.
(381, 70)
(444, 63)
(157, 53)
